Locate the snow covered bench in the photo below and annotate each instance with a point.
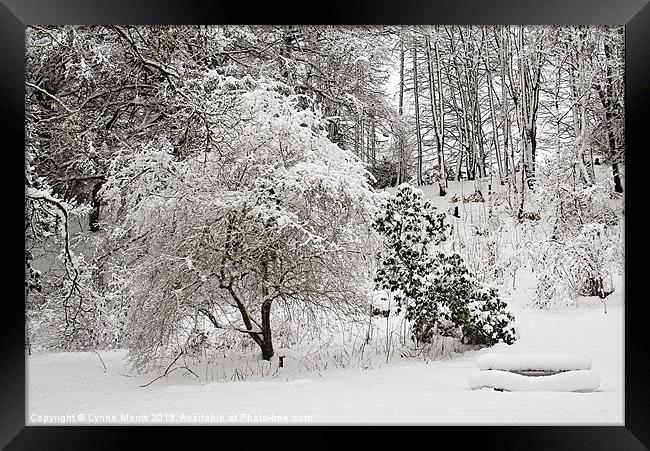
(535, 372)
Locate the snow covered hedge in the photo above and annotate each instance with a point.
(439, 294)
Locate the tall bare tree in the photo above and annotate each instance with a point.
(437, 110)
(416, 94)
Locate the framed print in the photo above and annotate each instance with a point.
(407, 214)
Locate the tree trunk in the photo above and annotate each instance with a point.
(400, 142)
(441, 113)
(466, 140)
(442, 173)
(267, 341)
(373, 150)
(495, 130)
(93, 217)
(609, 119)
(362, 147)
(528, 103)
(579, 111)
(285, 53)
(504, 106)
(481, 147)
(356, 136)
(417, 114)
(471, 112)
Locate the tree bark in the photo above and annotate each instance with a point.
(495, 130)
(608, 102)
(400, 139)
(504, 106)
(93, 217)
(371, 137)
(267, 340)
(527, 102)
(580, 97)
(466, 140)
(437, 119)
(441, 114)
(417, 114)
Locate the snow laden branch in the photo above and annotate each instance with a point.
(55, 208)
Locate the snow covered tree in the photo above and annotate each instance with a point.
(271, 213)
(439, 294)
(408, 227)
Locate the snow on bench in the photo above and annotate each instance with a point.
(534, 362)
(535, 372)
(572, 381)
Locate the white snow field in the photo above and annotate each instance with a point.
(72, 388)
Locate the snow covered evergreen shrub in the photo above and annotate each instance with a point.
(489, 321)
(408, 227)
(440, 305)
(439, 294)
(453, 303)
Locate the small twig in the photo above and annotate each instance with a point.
(52, 96)
(102, 360)
(159, 377)
(167, 371)
(186, 368)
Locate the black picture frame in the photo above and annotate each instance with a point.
(634, 14)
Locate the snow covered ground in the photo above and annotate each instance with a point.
(72, 388)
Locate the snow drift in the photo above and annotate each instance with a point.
(573, 381)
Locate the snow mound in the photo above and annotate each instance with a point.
(541, 362)
(572, 381)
